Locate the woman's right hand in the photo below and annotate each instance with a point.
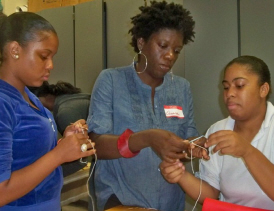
(69, 149)
(166, 144)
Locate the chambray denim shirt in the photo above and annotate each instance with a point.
(120, 100)
(26, 134)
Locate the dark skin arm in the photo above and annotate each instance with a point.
(176, 173)
(166, 144)
(24, 180)
(231, 143)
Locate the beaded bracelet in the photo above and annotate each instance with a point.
(122, 144)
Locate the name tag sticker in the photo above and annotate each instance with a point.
(174, 111)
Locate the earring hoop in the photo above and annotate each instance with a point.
(140, 53)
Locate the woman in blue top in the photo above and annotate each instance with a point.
(142, 113)
(30, 173)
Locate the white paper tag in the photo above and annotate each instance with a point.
(174, 111)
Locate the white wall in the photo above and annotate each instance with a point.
(10, 5)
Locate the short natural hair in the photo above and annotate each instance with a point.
(158, 16)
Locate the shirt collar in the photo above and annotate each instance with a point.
(268, 115)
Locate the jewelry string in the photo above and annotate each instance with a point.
(201, 181)
(81, 160)
(91, 172)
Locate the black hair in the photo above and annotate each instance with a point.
(256, 66)
(158, 16)
(22, 27)
(60, 88)
(2, 17)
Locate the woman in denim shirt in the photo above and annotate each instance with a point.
(142, 113)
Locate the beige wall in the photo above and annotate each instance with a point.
(10, 5)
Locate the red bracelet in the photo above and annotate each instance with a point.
(122, 145)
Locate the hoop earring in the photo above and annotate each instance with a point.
(140, 53)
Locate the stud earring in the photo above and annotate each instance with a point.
(16, 56)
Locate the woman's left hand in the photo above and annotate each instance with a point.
(79, 126)
(172, 172)
(228, 142)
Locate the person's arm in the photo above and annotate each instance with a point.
(166, 144)
(69, 109)
(176, 173)
(261, 169)
(78, 126)
(24, 180)
(231, 143)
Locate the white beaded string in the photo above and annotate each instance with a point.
(81, 160)
(195, 139)
(201, 181)
(91, 172)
